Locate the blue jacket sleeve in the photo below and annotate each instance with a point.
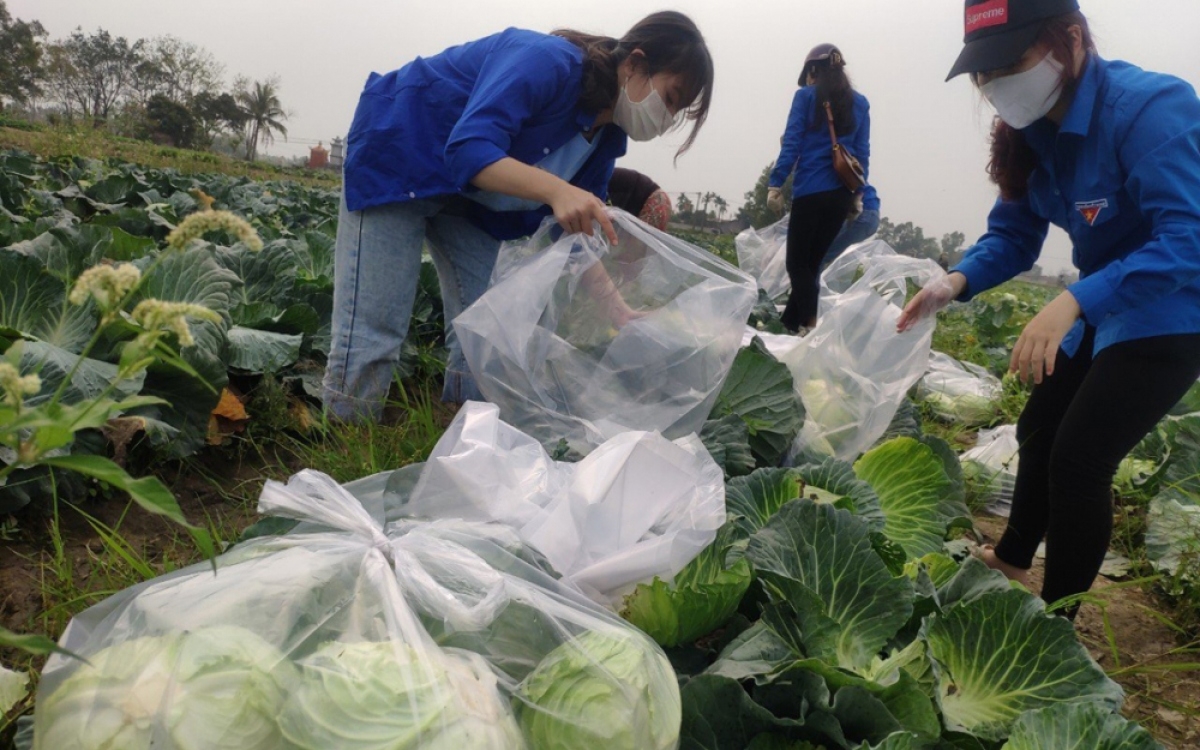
(1011, 246)
(1161, 156)
(516, 81)
(789, 150)
(861, 147)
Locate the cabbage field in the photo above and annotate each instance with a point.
(838, 606)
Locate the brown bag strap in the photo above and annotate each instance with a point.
(832, 132)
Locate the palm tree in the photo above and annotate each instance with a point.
(721, 205)
(264, 114)
(706, 199)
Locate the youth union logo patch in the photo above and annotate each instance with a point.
(1091, 210)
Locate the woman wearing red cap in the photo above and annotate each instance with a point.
(820, 201)
(1111, 154)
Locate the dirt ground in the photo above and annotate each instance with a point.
(1163, 698)
(226, 501)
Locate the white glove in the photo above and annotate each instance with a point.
(775, 199)
(856, 208)
(936, 295)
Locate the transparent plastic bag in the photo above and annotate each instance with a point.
(853, 369)
(637, 507)
(762, 253)
(992, 467)
(961, 392)
(579, 340)
(352, 635)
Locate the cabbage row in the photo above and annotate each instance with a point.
(832, 612)
(61, 217)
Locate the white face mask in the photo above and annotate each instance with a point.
(644, 120)
(1024, 98)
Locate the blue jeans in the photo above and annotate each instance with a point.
(377, 263)
(853, 232)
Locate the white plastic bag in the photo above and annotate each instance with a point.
(961, 392)
(579, 340)
(637, 507)
(992, 466)
(853, 369)
(762, 253)
(436, 636)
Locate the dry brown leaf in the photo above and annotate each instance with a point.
(228, 417)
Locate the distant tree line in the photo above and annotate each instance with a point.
(163, 89)
(705, 209)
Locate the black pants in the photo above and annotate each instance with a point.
(1077, 427)
(814, 225)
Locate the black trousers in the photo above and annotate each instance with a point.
(814, 224)
(1076, 428)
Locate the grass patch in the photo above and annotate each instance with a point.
(413, 422)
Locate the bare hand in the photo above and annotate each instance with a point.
(622, 315)
(933, 297)
(576, 209)
(1037, 347)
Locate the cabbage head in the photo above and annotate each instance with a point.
(387, 696)
(826, 403)
(607, 689)
(967, 408)
(210, 689)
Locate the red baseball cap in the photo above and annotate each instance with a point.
(998, 32)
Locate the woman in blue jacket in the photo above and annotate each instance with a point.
(476, 145)
(820, 202)
(1111, 154)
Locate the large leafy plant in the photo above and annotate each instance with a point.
(857, 629)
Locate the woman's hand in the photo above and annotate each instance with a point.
(576, 209)
(930, 299)
(1037, 347)
(608, 297)
(775, 199)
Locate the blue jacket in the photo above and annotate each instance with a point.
(1122, 177)
(807, 150)
(428, 128)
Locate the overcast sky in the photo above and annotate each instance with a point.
(928, 137)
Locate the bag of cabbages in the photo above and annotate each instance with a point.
(762, 253)
(853, 369)
(960, 392)
(581, 340)
(992, 467)
(438, 636)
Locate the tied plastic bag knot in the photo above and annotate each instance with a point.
(313, 497)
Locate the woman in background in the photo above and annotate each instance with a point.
(821, 203)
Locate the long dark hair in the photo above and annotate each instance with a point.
(1012, 158)
(833, 86)
(669, 42)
